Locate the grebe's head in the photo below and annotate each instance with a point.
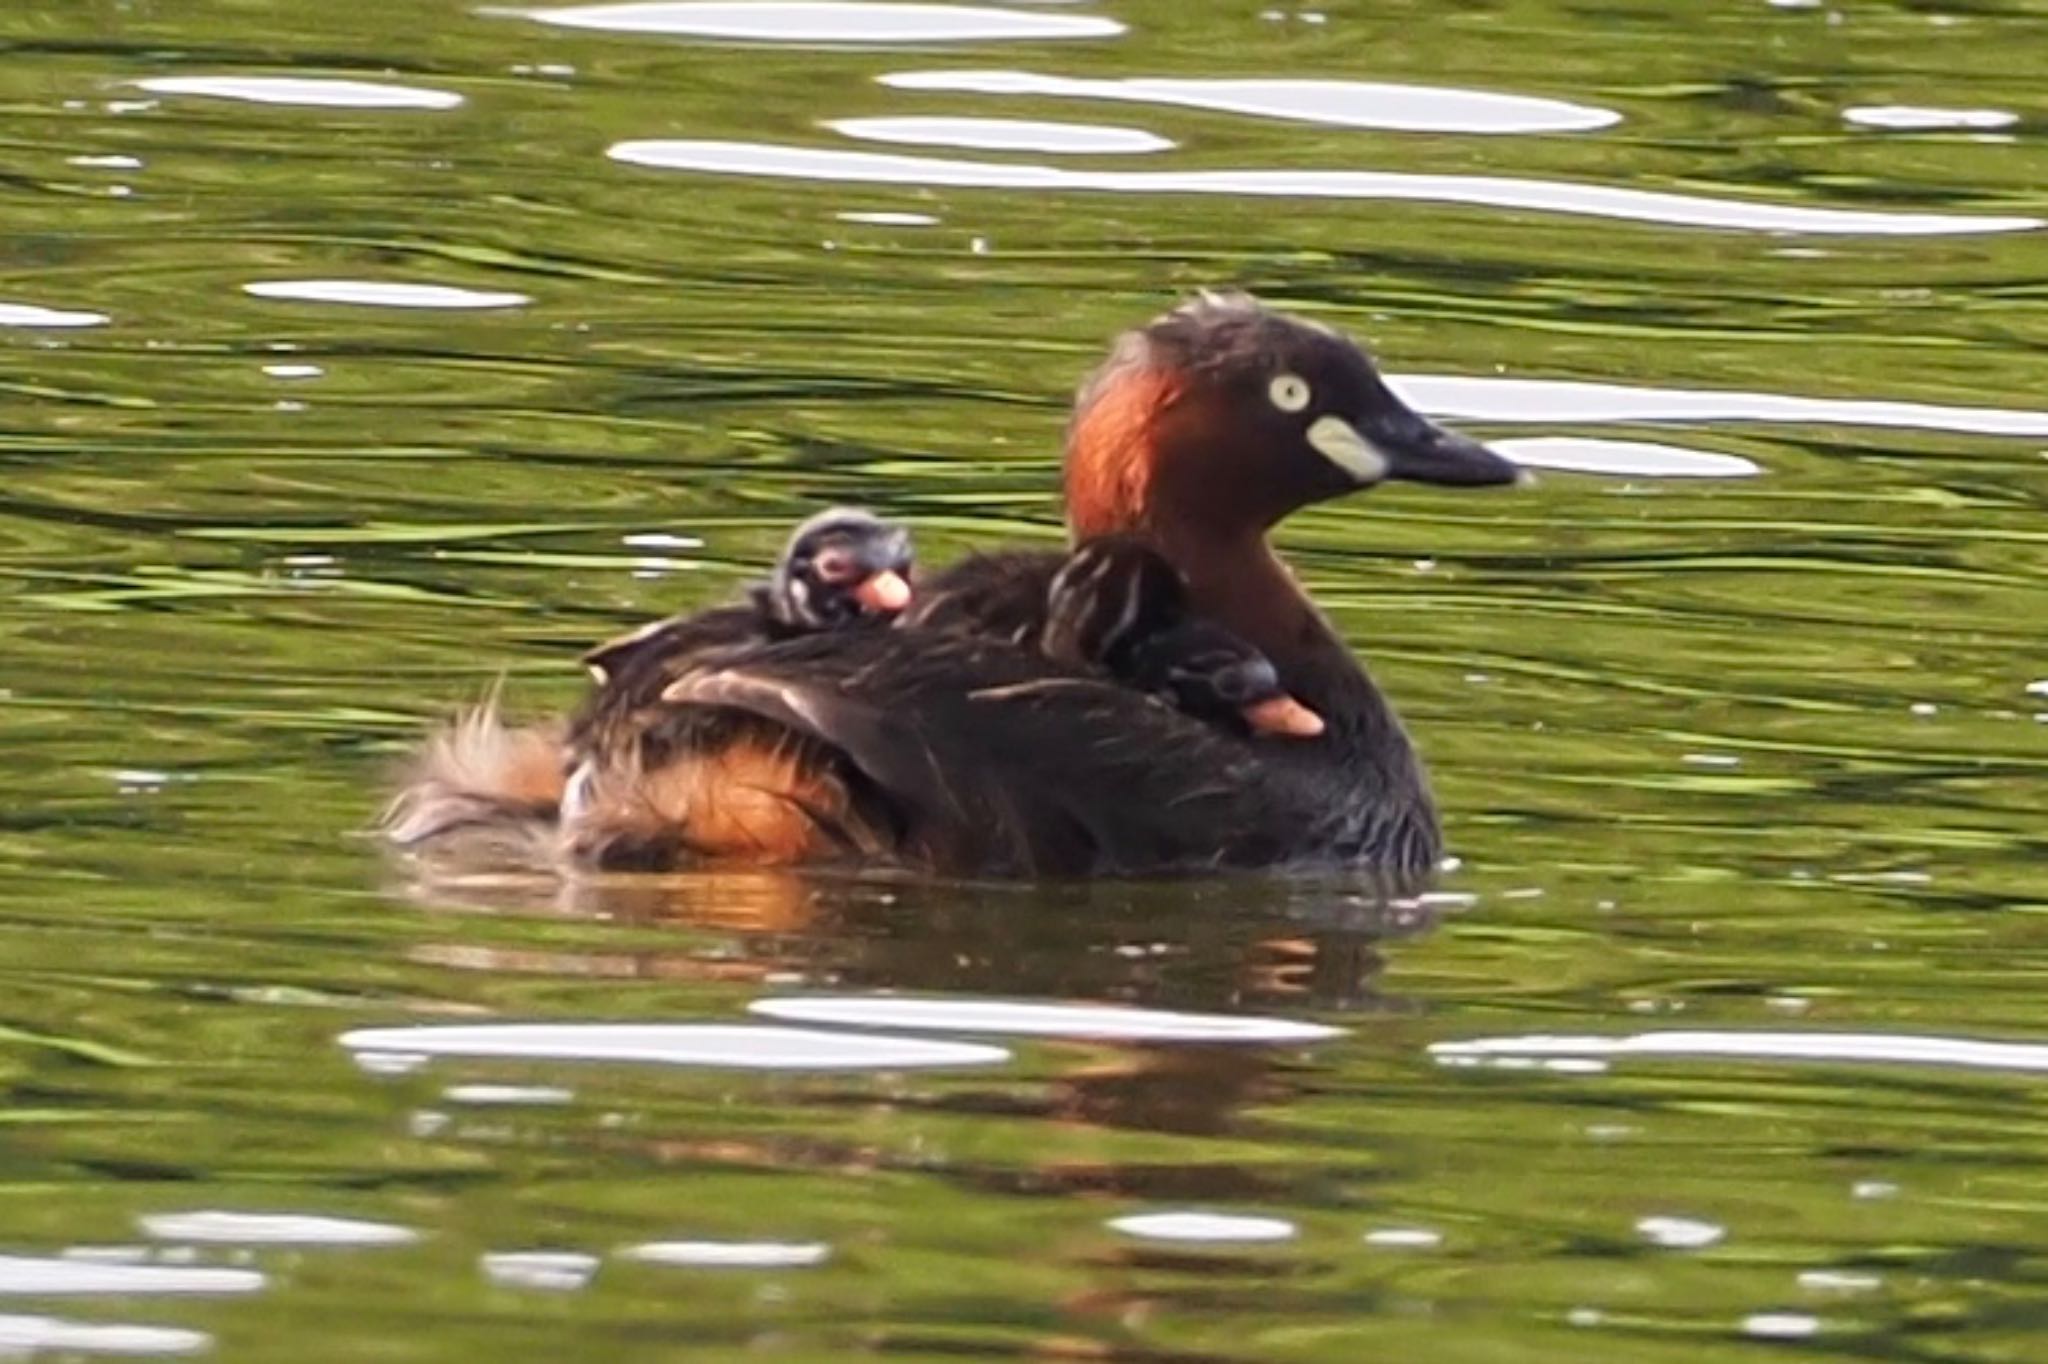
(1222, 417)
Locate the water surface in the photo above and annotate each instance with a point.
(354, 365)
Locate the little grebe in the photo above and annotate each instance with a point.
(950, 743)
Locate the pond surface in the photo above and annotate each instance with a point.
(359, 354)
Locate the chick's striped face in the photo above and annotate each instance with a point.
(840, 566)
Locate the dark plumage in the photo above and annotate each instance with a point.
(992, 596)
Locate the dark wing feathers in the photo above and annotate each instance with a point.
(630, 660)
(987, 596)
(969, 753)
(993, 759)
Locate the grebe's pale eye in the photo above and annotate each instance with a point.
(1290, 392)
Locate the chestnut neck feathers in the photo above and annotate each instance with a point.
(1159, 449)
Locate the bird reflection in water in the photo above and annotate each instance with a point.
(1222, 944)
(1234, 945)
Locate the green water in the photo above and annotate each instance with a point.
(1753, 754)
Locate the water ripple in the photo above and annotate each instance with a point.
(554, 1271)
(1018, 1019)
(1781, 1325)
(1332, 103)
(303, 91)
(712, 1045)
(30, 315)
(1479, 398)
(29, 1274)
(1889, 1048)
(1003, 135)
(273, 1229)
(824, 22)
(382, 294)
(23, 1336)
(1912, 118)
(730, 1254)
(1838, 1281)
(887, 218)
(783, 162)
(1204, 1228)
(508, 1095)
(1404, 1238)
(1622, 458)
(1680, 1233)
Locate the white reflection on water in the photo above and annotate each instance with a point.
(554, 1271)
(888, 219)
(1896, 1048)
(1204, 1228)
(1781, 1325)
(1004, 135)
(1913, 118)
(382, 294)
(737, 1046)
(29, 315)
(731, 1254)
(303, 91)
(1838, 1281)
(782, 162)
(771, 21)
(1626, 458)
(1477, 398)
(1680, 1233)
(109, 1255)
(273, 1229)
(1021, 1019)
(388, 1062)
(24, 1336)
(1404, 1238)
(49, 1277)
(508, 1095)
(1333, 103)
